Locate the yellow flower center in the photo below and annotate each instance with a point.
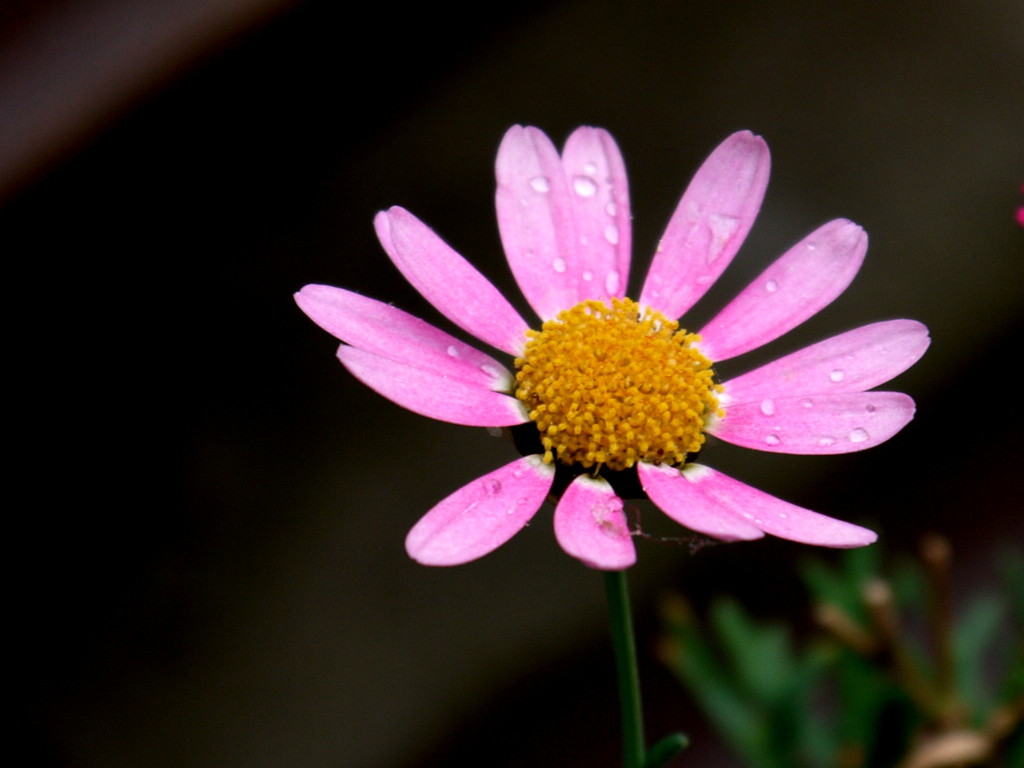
(616, 385)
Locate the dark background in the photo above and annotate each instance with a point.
(208, 517)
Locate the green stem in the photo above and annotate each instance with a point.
(633, 752)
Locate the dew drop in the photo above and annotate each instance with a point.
(783, 515)
(490, 370)
(452, 351)
(836, 376)
(611, 234)
(858, 435)
(771, 286)
(492, 487)
(587, 276)
(558, 264)
(768, 407)
(812, 246)
(870, 408)
(540, 184)
(584, 186)
(590, 168)
(807, 403)
(611, 282)
(722, 228)
(825, 442)
(610, 209)
(773, 439)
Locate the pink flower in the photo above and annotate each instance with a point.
(609, 391)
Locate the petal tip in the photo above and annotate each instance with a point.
(748, 139)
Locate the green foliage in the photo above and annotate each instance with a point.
(894, 670)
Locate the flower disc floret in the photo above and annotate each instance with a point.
(616, 384)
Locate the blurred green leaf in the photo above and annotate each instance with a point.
(842, 584)
(665, 750)
(823, 705)
(973, 637)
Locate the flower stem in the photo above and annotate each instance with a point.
(633, 751)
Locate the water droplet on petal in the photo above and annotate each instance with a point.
(858, 435)
(870, 408)
(540, 184)
(807, 403)
(558, 264)
(490, 370)
(606, 515)
(836, 376)
(825, 442)
(611, 282)
(611, 234)
(452, 350)
(584, 186)
(773, 439)
(771, 286)
(590, 168)
(587, 276)
(768, 407)
(722, 228)
(492, 487)
(783, 515)
(610, 209)
(812, 246)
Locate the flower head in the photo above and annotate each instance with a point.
(607, 386)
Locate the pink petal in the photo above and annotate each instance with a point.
(449, 282)
(773, 515)
(480, 517)
(387, 331)
(709, 225)
(599, 192)
(535, 218)
(818, 424)
(431, 393)
(591, 526)
(799, 284)
(677, 497)
(854, 361)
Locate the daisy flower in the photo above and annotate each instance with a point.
(610, 391)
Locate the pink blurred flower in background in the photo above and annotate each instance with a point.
(609, 388)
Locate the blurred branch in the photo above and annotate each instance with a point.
(895, 701)
(69, 69)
